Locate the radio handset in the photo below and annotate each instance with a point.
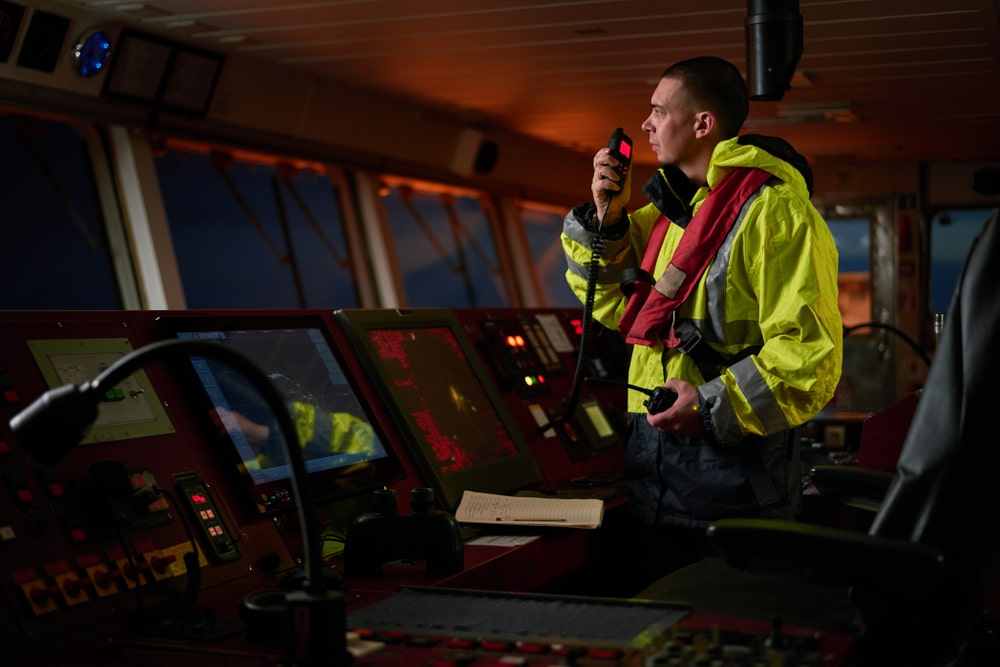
(660, 399)
(620, 146)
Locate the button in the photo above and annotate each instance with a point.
(530, 648)
(494, 645)
(605, 653)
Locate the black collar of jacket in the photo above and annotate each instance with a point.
(671, 192)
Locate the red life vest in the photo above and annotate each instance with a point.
(651, 307)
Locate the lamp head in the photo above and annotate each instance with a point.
(55, 422)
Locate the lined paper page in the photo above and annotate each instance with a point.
(493, 508)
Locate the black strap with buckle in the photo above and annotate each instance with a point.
(709, 360)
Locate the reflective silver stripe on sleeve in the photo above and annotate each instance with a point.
(759, 395)
(614, 253)
(608, 275)
(720, 409)
(752, 384)
(574, 229)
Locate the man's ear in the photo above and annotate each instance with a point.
(704, 123)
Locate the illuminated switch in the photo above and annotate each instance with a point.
(495, 645)
(97, 574)
(114, 394)
(599, 653)
(159, 565)
(128, 572)
(103, 580)
(41, 597)
(72, 587)
(10, 397)
(4, 447)
(7, 534)
(531, 648)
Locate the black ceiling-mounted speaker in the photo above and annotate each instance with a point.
(474, 154)
(774, 46)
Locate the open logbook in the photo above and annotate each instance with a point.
(500, 509)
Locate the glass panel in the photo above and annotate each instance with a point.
(867, 366)
(445, 251)
(853, 239)
(249, 235)
(952, 234)
(542, 228)
(55, 252)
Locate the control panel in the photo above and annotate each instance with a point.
(131, 526)
(534, 356)
(146, 522)
(154, 524)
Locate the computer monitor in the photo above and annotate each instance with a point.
(448, 410)
(344, 448)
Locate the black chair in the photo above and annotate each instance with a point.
(916, 589)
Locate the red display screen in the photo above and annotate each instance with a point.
(444, 401)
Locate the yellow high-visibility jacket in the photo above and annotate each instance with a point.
(771, 289)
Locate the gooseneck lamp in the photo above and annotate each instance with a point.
(56, 422)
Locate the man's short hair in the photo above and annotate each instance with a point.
(714, 84)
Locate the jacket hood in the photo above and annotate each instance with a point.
(671, 191)
(772, 154)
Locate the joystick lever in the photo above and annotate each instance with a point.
(385, 535)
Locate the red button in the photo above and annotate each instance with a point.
(494, 645)
(605, 653)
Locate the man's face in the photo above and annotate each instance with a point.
(670, 124)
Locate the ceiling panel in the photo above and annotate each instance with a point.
(878, 79)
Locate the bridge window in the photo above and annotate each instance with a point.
(55, 252)
(250, 233)
(444, 246)
(542, 226)
(952, 234)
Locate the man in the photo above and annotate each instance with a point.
(732, 277)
